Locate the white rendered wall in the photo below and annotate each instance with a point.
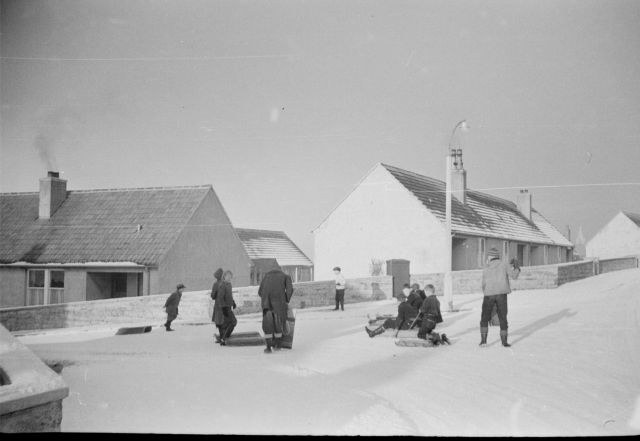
(620, 237)
(380, 219)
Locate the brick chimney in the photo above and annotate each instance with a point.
(458, 177)
(524, 203)
(53, 192)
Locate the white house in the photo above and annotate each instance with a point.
(397, 214)
(620, 237)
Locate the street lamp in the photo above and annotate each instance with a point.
(454, 156)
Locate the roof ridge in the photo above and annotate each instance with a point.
(260, 229)
(18, 193)
(104, 190)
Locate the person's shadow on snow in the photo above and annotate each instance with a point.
(530, 329)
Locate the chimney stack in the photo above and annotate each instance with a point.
(458, 177)
(524, 203)
(53, 192)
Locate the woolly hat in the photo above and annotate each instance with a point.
(493, 253)
(180, 285)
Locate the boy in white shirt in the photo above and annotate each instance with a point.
(341, 284)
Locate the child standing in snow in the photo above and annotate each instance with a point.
(341, 284)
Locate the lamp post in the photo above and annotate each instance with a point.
(448, 278)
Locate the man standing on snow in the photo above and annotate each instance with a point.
(495, 286)
(275, 292)
(171, 306)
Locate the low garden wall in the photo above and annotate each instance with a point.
(194, 306)
(608, 265)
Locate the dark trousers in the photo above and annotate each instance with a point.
(500, 301)
(340, 298)
(171, 316)
(427, 325)
(228, 325)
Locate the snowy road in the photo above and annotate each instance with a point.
(574, 369)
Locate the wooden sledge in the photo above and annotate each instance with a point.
(134, 330)
(418, 342)
(243, 339)
(287, 340)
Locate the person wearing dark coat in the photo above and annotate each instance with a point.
(171, 306)
(214, 294)
(431, 316)
(275, 292)
(223, 314)
(407, 312)
(496, 286)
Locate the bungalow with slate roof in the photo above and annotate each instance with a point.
(397, 214)
(274, 250)
(620, 237)
(59, 246)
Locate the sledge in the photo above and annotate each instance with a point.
(287, 337)
(243, 339)
(415, 342)
(134, 330)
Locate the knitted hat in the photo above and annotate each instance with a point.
(180, 285)
(493, 253)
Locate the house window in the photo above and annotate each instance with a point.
(505, 249)
(35, 290)
(481, 258)
(45, 287)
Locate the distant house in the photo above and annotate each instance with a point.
(274, 250)
(397, 214)
(62, 246)
(619, 237)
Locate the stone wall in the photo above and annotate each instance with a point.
(194, 306)
(570, 272)
(31, 399)
(531, 277)
(608, 265)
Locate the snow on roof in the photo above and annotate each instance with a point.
(113, 225)
(266, 244)
(482, 215)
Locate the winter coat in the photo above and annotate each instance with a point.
(406, 314)
(415, 300)
(214, 295)
(224, 299)
(275, 292)
(171, 305)
(431, 309)
(495, 277)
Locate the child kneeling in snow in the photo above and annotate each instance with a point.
(407, 312)
(431, 316)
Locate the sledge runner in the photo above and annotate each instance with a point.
(171, 305)
(275, 292)
(496, 286)
(407, 312)
(430, 310)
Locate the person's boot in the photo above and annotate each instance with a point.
(379, 330)
(337, 305)
(445, 339)
(435, 338)
(483, 336)
(277, 344)
(503, 337)
(268, 350)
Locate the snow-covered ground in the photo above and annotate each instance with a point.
(574, 369)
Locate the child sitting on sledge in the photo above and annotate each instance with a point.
(407, 312)
(431, 316)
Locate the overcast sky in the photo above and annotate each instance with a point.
(284, 105)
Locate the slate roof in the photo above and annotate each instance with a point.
(483, 214)
(635, 218)
(97, 225)
(264, 244)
